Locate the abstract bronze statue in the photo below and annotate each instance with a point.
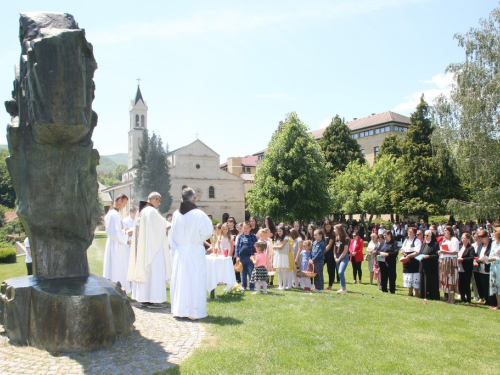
(53, 169)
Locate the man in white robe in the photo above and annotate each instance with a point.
(188, 287)
(128, 223)
(149, 265)
(115, 263)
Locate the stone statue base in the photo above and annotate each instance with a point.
(64, 315)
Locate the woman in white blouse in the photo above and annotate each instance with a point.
(448, 266)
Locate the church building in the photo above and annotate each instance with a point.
(196, 165)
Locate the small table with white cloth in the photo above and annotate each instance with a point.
(219, 270)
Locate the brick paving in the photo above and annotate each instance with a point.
(158, 342)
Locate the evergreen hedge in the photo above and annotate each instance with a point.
(8, 255)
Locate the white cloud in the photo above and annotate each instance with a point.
(234, 20)
(276, 96)
(441, 80)
(442, 83)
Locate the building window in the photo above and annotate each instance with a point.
(387, 128)
(370, 132)
(363, 152)
(211, 192)
(377, 131)
(142, 121)
(355, 135)
(248, 169)
(375, 150)
(136, 121)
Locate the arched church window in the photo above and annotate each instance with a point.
(136, 121)
(142, 121)
(211, 192)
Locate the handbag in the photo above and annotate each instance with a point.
(238, 267)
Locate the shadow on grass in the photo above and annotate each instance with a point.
(222, 320)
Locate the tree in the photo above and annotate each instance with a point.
(292, 182)
(468, 123)
(339, 147)
(392, 146)
(7, 193)
(426, 183)
(112, 178)
(152, 171)
(360, 189)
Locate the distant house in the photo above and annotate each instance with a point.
(243, 167)
(369, 131)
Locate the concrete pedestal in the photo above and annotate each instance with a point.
(64, 315)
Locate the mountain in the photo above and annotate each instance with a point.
(108, 163)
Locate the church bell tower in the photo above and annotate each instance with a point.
(138, 123)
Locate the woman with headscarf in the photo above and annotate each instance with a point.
(387, 254)
(429, 267)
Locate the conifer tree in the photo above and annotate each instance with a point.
(425, 182)
(339, 147)
(152, 171)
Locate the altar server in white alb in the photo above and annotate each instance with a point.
(149, 266)
(116, 253)
(188, 287)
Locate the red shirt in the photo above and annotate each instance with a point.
(357, 247)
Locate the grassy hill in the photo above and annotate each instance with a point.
(108, 163)
(3, 147)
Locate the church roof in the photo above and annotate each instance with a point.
(138, 95)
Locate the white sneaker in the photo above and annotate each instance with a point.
(255, 292)
(341, 291)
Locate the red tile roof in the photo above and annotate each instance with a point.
(9, 216)
(249, 161)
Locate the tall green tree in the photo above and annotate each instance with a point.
(426, 183)
(7, 193)
(292, 182)
(391, 146)
(153, 171)
(468, 124)
(339, 147)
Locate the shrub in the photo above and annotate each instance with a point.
(215, 221)
(8, 255)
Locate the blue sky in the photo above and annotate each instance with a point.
(229, 71)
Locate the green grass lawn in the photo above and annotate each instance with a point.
(363, 331)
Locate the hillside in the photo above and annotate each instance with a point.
(108, 163)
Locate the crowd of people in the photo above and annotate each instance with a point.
(449, 261)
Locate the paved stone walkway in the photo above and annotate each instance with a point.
(158, 342)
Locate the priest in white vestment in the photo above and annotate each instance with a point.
(149, 266)
(188, 287)
(115, 263)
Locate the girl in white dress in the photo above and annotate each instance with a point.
(226, 242)
(280, 260)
